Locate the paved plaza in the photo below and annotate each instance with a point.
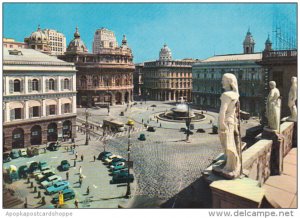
(163, 165)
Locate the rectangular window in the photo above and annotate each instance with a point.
(18, 113)
(52, 109)
(35, 111)
(67, 108)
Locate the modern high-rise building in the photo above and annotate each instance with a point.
(104, 38)
(57, 41)
(167, 79)
(47, 41)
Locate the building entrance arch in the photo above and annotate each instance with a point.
(52, 132)
(18, 138)
(118, 98)
(67, 129)
(36, 135)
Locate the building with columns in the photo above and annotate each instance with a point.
(167, 79)
(105, 78)
(39, 99)
(207, 76)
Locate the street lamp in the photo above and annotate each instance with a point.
(130, 123)
(86, 127)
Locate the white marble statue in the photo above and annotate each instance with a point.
(273, 107)
(228, 128)
(292, 100)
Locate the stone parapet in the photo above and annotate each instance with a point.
(287, 129)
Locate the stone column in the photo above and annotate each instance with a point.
(174, 95)
(74, 83)
(74, 104)
(59, 106)
(26, 85)
(43, 84)
(43, 107)
(7, 112)
(26, 110)
(58, 83)
(169, 96)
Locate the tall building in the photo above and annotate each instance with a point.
(57, 41)
(12, 44)
(103, 78)
(167, 79)
(47, 41)
(207, 75)
(138, 81)
(39, 97)
(104, 38)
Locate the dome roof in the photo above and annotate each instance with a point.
(38, 35)
(165, 53)
(268, 41)
(77, 45)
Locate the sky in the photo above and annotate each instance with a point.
(192, 30)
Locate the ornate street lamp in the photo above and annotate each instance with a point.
(130, 123)
(188, 123)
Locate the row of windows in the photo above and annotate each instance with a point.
(35, 85)
(166, 74)
(239, 75)
(36, 111)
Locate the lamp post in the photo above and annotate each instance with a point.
(130, 123)
(86, 127)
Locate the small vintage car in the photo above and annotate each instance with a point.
(142, 137)
(58, 186)
(116, 179)
(50, 181)
(64, 165)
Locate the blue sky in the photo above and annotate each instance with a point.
(190, 30)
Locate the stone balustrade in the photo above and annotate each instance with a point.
(286, 129)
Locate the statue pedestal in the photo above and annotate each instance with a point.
(238, 193)
(276, 162)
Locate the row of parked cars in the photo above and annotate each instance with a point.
(118, 167)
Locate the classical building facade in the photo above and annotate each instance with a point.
(207, 75)
(167, 79)
(138, 82)
(39, 99)
(104, 78)
(12, 44)
(47, 41)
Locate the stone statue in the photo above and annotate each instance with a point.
(292, 100)
(181, 100)
(273, 107)
(228, 128)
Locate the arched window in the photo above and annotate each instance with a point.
(51, 84)
(66, 83)
(17, 85)
(35, 85)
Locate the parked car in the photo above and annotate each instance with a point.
(64, 165)
(151, 129)
(121, 179)
(119, 167)
(110, 158)
(50, 181)
(142, 137)
(116, 160)
(68, 195)
(43, 166)
(53, 146)
(14, 154)
(44, 176)
(106, 156)
(23, 171)
(56, 187)
(102, 154)
(114, 172)
(121, 173)
(117, 164)
(6, 157)
(23, 152)
(34, 166)
(32, 152)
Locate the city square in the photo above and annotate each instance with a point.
(144, 112)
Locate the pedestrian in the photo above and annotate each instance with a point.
(67, 175)
(94, 158)
(157, 120)
(142, 121)
(74, 163)
(160, 125)
(88, 190)
(80, 170)
(82, 157)
(76, 155)
(80, 181)
(76, 203)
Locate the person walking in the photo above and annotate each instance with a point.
(80, 171)
(88, 190)
(76, 155)
(82, 157)
(76, 203)
(94, 158)
(80, 181)
(67, 175)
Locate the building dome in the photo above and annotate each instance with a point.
(249, 38)
(38, 36)
(165, 53)
(77, 45)
(248, 43)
